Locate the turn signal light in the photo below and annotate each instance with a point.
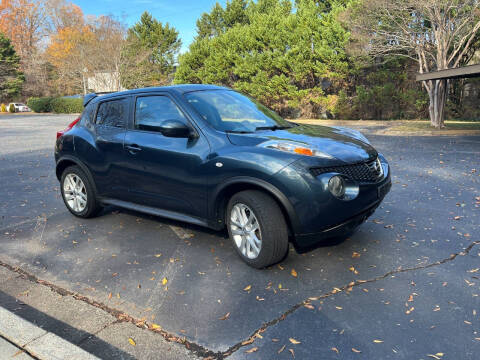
(303, 151)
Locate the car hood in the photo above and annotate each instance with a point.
(343, 144)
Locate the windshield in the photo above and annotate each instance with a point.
(229, 111)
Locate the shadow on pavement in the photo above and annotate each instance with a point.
(61, 328)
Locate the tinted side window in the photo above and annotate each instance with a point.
(113, 113)
(153, 110)
(87, 114)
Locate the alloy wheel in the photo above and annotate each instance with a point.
(245, 230)
(75, 193)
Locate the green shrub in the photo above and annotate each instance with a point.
(11, 108)
(3, 108)
(40, 104)
(67, 105)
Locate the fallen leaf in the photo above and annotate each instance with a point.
(356, 351)
(335, 349)
(355, 255)
(225, 317)
(378, 341)
(293, 341)
(292, 352)
(156, 327)
(249, 341)
(352, 269)
(252, 350)
(309, 306)
(158, 255)
(109, 296)
(294, 273)
(164, 281)
(281, 349)
(338, 307)
(247, 288)
(132, 342)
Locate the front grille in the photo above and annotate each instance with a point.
(370, 171)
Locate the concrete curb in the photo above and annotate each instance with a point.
(37, 342)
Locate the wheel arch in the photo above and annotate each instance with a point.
(67, 161)
(226, 190)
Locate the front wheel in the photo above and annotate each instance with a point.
(257, 228)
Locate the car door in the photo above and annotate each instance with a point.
(165, 172)
(110, 126)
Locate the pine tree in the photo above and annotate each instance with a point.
(11, 79)
(150, 53)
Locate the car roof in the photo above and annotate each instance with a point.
(181, 89)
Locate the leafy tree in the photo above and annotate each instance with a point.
(437, 34)
(382, 91)
(150, 53)
(288, 57)
(11, 79)
(22, 22)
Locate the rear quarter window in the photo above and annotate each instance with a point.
(113, 113)
(87, 115)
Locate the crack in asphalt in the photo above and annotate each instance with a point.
(336, 290)
(200, 350)
(196, 349)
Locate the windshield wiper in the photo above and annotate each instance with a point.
(238, 132)
(274, 127)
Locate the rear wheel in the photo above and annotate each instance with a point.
(78, 193)
(257, 228)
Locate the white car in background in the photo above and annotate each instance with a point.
(20, 107)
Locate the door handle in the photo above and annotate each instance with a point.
(133, 149)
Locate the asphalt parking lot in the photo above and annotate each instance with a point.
(405, 286)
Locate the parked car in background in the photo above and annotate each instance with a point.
(213, 157)
(20, 107)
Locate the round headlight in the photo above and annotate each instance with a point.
(336, 185)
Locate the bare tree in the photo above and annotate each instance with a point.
(437, 34)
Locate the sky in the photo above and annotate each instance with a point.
(182, 14)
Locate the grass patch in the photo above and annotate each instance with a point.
(425, 126)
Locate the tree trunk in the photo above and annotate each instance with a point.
(438, 96)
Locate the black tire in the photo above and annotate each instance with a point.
(272, 225)
(92, 207)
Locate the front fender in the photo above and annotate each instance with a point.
(238, 183)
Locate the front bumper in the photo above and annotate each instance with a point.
(320, 216)
(305, 241)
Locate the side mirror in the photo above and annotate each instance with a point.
(175, 128)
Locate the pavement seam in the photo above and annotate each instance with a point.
(90, 335)
(265, 326)
(200, 350)
(196, 349)
(21, 348)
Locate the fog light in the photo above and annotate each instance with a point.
(336, 185)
